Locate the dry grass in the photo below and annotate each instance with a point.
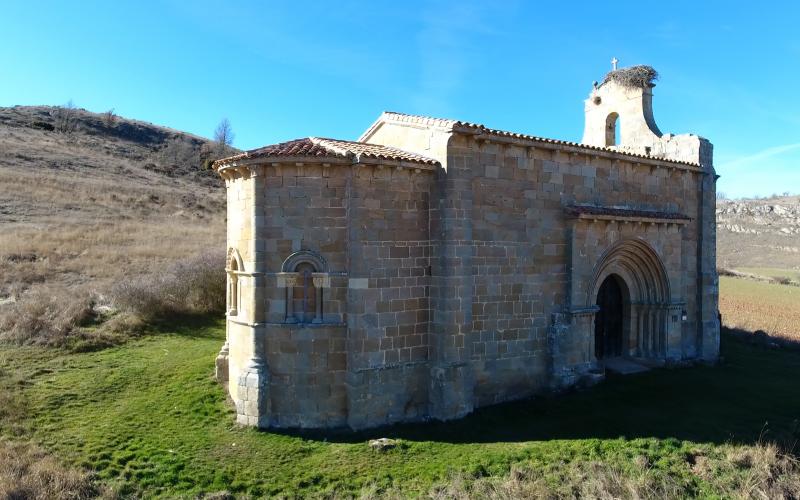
(754, 305)
(52, 275)
(90, 222)
(761, 471)
(45, 318)
(194, 285)
(29, 473)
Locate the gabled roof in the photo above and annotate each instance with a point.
(320, 148)
(479, 129)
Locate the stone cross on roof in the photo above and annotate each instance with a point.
(614, 62)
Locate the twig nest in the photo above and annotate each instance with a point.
(634, 77)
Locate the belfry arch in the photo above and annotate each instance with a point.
(612, 125)
(636, 269)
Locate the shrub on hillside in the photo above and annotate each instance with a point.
(782, 280)
(57, 317)
(194, 285)
(44, 316)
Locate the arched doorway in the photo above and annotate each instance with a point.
(608, 321)
(631, 294)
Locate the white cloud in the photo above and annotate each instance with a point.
(771, 170)
(758, 157)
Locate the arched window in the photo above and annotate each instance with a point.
(305, 297)
(233, 269)
(304, 275)
(612, 129)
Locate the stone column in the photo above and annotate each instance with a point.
(637, 328)
(252, 405)
(648, 331)
(321, 281)
(221, 363)
(288, 280)
(452, 381)
(673, 327)
(662, 332)
(707, 278)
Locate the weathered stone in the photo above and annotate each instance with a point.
(436, 266)
(382, 444)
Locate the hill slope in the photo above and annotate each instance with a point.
(87, 199)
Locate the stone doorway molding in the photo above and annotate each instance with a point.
(647, 326)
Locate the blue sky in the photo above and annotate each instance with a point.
(282, 70)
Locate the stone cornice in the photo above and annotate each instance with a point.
(594, 214)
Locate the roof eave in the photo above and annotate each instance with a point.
(583, 149)
(261, 160)
(389, 162)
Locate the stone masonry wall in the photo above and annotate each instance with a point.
(451, 289)
(305, 209)
(521, 270)
(388, 296)
(239, 235)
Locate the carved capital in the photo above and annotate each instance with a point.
(287, 280)
(321, 280)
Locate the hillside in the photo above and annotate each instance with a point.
(759, 235)
(88, 199)
(96, 149)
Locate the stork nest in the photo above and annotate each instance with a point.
(634, 77)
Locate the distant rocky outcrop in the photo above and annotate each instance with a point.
(775, 216)
(759, 232)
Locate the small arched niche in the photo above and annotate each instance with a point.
(233, 266)
(612, 129)
(304, 274)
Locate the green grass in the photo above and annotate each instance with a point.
(148, 418)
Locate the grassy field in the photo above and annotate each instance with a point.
(149, 420)
(753, 305)
(772, 272)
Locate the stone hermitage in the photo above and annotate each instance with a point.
(435, 266)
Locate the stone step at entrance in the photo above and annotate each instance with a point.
(624, 366)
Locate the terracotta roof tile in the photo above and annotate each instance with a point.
(477, 128)
(316, 147)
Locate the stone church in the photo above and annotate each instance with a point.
(434, 266)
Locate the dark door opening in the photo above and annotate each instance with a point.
(608, 320)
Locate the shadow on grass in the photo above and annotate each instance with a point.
(204, 326)
(752, 395)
